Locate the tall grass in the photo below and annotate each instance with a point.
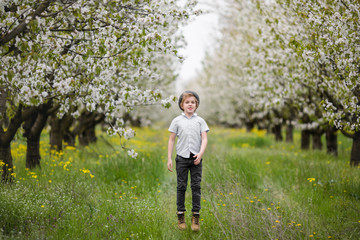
(253, 188)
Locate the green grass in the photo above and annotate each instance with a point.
(253, 188)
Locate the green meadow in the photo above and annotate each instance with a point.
(252, 188)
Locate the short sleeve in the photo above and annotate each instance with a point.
(173, 127)
(204, 126)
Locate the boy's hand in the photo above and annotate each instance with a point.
(197, 158)
(170, 165)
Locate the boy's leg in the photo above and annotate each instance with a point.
(196, 174)
(182, 172)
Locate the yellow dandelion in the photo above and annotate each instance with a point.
(311, 179)
(159, 190)
(92, 176)
(311, 235)
(224, 205)
(277, 221)
(42, 206)
(50, 181)
(267, 163)
(329, 236)
(70, 148)
(251, 201)
(245, 145)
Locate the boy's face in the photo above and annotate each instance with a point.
(189, 105)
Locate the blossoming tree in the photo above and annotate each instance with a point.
(81, 54)
(303, 61)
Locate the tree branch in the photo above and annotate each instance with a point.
(22, 26)
(347, 134)
(56, 13)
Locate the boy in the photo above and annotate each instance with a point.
(191, 131)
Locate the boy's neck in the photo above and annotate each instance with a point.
(189, 115)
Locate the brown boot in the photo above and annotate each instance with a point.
(195, 222)
(181, 221)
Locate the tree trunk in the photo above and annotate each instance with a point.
(316, 140)
(69, 138)
(277, 132)
(7, 136)
(135, 122)
(33, 152)
(6, 162)
(289, 133)
(305, 139)
(331, 141)
(249, 126)
(88, 135)
(355, 150)
(33, 128)
(33, 134)
(86, 127)
(56, 133)
(4, 119)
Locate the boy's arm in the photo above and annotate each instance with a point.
(170, 150)
(204, 141)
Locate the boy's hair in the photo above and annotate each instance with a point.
(185, 95)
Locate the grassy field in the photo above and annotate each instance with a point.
(253, 188)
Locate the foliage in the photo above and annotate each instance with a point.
(108, 56)
(296, 58)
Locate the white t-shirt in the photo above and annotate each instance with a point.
(188, 131)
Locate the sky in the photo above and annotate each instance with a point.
(200, 36)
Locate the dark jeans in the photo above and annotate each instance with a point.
(183, 166)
